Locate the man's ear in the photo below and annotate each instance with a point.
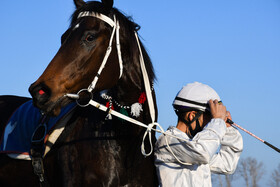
(190, 115)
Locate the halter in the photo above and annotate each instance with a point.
(115, 32)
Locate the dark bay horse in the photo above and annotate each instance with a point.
(93, 150)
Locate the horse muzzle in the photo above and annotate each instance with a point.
(40, 94)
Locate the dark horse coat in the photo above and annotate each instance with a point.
(92, 150)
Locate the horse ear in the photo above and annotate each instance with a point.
(79, 3)
(108, 4)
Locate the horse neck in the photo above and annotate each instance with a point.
(126, 92)
(130, 85)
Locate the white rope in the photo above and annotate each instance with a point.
(146, 82)
(167, 143)
(149, 129)
(149, 99)
(118, 44)
(129, 119)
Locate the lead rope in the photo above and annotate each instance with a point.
(118, 44)
(152, 110)
(131, 120)
(149, 99)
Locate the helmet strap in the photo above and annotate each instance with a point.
(198, 128)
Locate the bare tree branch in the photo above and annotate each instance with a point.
(251, 171)
(222, 180)
(229, 178)
(275, 177)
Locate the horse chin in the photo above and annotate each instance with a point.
(54, 108)
(56, 111)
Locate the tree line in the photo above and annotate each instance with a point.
(250, 171)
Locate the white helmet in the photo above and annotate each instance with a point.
(195, 96)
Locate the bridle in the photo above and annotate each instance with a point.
(116, 27)
(115, 33)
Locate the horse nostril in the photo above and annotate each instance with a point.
(40, 93)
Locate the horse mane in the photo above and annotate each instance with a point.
(128, 27)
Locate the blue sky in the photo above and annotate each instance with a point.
(231, 45)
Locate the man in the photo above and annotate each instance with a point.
(205, 143)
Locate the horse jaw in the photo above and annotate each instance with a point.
(56, 111)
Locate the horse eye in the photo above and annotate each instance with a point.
(90, 37)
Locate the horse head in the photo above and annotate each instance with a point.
(84, 47)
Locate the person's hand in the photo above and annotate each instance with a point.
(218, 110)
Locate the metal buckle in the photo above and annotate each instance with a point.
(84, 97)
